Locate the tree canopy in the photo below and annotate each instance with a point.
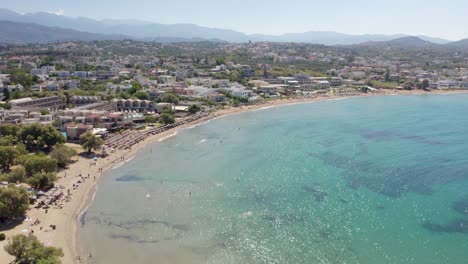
(62, 154)
(9, 130)
(194, 108)
(20, 77)
(141, 95)
(408, 85)
(14, 202)
(170, 98)
(28, 249)
(8, 155)
(17, 174)
(42, 180)
(136, 86)
(166, 118)
(89, 141)
(149, 119)
(40, 137)
(39, 164)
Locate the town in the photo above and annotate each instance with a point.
(110, 85)
(103, 98)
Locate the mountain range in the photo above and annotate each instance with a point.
(18, 33)
(48, 27)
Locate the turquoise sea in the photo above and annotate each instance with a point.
(361, 180)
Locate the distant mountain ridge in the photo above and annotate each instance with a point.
(408, 42)
(459, 44)
(144, 30)
(15, 32)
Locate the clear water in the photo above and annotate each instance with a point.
(362, 180)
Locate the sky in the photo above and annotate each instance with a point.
(445, 19)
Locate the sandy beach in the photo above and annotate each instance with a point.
(66, 219)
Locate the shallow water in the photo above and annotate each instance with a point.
(362, 180)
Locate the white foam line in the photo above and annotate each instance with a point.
(94, 195)
(337, 99)
(90, 202)
(118, 165)
(129, 159)
(197, 125)
(166, 137)
(266, 107)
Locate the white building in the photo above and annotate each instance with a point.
(447, 84)
(81, 74)
(72, 84)
(63, 74)
(38, 72)
(240, 92)
(13, 88)
(322, 85)
(52, 87)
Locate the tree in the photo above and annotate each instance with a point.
(6, 94)
(17, 174)
(194, 109)
(45, 111)
(14, 202)
(425, 84)
(136, 86)
(39, 164)
(235, 76)
(408, 85)
(220, 61)
(170, 98)
(7, 140)
(8, 155)
(63, 155)
(166, 118)
(22, 78)
(9, 130)
(125, 95)
(28, 249)
(387, 75)
(141, 95)
(89, 141)
(40, 137)
(42, 180)
(149, 119)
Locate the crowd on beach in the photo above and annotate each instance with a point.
(56, 198)
(129, 138)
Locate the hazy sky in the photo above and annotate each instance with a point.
(446, 19)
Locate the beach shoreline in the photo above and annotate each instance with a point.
(67, 219)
